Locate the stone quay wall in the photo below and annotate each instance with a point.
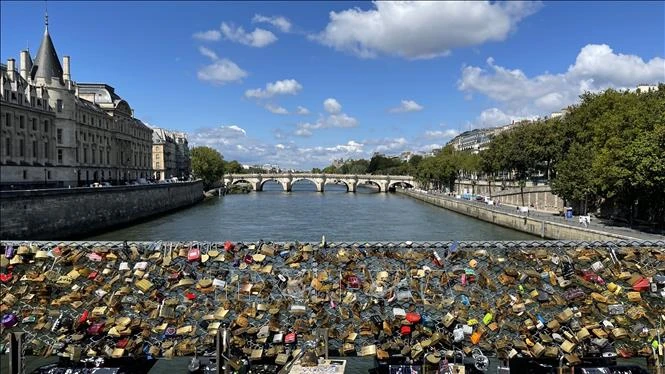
(543, 228)
(540, 196)
(74, 212)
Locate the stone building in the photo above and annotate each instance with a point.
(163, 154)
(56, 132)
(182, 158)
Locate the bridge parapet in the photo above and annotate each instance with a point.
(384, 182)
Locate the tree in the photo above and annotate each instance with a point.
(232, 167)
(208, 165)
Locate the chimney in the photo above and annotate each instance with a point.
(65, 74)
(11, 66)
(25, 64)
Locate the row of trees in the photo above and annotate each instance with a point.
(606, 154)
(378, 164)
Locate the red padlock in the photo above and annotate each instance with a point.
(93, 275)
(190, 296)
(290, 338)
(405, 330)
(194, 254)
(463, 279)
(413, 317)
(122, 343)
(228, 246)
(96, 329)
(83, 317)
(641, 285)
(4, 278)
(248, 259)
(352, 282)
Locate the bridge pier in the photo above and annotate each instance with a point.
(351, 186)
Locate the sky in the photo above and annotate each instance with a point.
(299, 84)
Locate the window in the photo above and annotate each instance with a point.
(20, 98)
(34, 148)
(59, 105)
(108, 158)
(59, 136)
(85, 155)
(21, 121)
(32, 102)
(85, 137)
(46, 150)
(25, 174)
(39, 102)
(92, 153)
(60, 156)
(21, 147)
(8, 119)
(34, 124)
(8, 146)
(6, 95)
(157, 166)
(101, 158)
(48, 174)
(45, 125)
(84, 118)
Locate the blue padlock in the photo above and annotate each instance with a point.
(427, 321)
(9, 252)
(465, 300)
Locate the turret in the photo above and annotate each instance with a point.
(25, 64)
(11, 66)
(66, 75)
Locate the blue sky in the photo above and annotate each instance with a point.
(300, 83)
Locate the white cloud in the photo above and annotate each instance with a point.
(210, 35)
(421, 29)
(396, 145)
(221, 72)
(276, 109)
(407, 106)
(596, 68)
(334, 119)
(441, 134)
(280, 22)
(283, 87)
(302, 110)
(208, 53)
(332, 106)
(258, 38)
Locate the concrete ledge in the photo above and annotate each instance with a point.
(542, 228)
(70, 213)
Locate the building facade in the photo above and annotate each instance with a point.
(163, 154)
(183, 163)
(56, 132)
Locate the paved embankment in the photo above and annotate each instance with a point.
(74, 212)
(541, 225)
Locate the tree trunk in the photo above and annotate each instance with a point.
(522, 193)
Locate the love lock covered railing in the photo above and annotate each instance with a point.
(417, 301)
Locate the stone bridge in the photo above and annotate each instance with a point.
(383, 182)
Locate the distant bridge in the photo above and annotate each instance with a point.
(383, 182)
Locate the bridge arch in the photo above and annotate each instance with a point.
(338, 182)
(369, 181)
(401, 184)
(286, 186)
(318, 186)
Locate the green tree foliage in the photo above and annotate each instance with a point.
(607, 153)
(207, 164)
(232, 167)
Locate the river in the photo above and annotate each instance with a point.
(306, 215)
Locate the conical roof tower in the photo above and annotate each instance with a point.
(46, 64)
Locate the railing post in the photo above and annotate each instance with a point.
(16, 353)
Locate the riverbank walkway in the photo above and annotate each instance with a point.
(595, 224)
